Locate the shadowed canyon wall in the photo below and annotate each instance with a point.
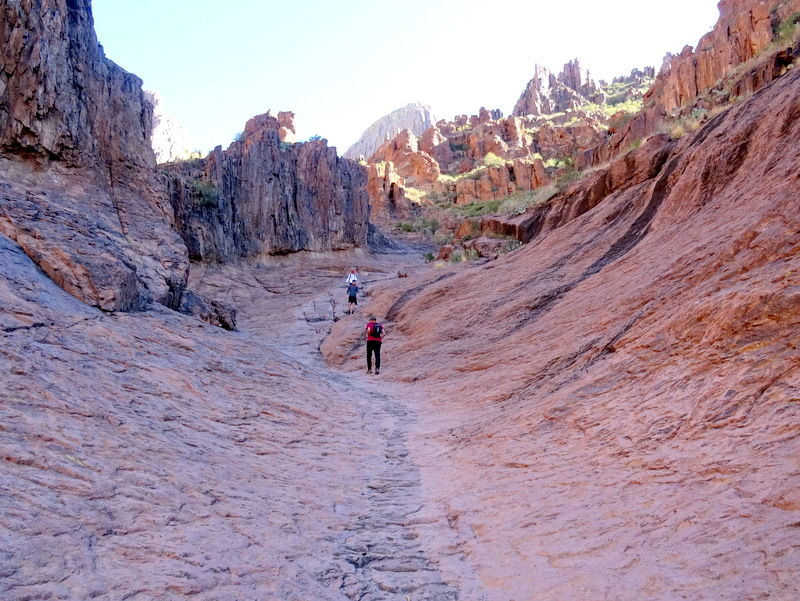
(77, 185)
(266, 195)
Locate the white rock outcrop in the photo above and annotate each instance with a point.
(169, 138)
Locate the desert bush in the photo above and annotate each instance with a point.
(518, 203)
(205, 193)
(786, 29)
(688, 123)
(457, 256)
(422, 225)
(472, 255)
(554, 163)
(633, 146)
(566, 180)
(492, 160)
(428, 257)
(508, 247)
(476, 209)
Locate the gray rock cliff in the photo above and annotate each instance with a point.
(415, 117)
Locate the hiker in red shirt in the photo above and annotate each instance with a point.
(374, 338)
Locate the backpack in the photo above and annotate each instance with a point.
(376, 331)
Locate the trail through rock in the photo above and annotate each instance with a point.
(292, 302)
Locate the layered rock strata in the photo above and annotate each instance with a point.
(738, 57)
(78, 191)
(265, 195)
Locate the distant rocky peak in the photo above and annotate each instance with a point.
(577, 79)
(168, 138)
(414, 117)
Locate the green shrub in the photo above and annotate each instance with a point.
(785, 30)
(205, 193)
(477, 209)
(518, 203)
(554, 163)
(428, 257)
(492, 160)
(423, 225)
(457, 256)
(633, 146)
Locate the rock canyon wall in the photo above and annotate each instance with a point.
(614, 408)
(77, 187)
(79, 190)
(265, 194)
(739, 56)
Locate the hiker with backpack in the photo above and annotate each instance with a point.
(374, 338)
(352, 297)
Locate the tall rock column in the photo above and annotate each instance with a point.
(266, 195)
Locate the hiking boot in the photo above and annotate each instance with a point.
(369, 371)
(377, 371)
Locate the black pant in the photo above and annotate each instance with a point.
(374, 346)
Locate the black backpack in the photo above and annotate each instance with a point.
(377, 330)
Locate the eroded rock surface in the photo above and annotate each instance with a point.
(151, 456)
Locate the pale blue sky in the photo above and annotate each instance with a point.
(340, 66)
